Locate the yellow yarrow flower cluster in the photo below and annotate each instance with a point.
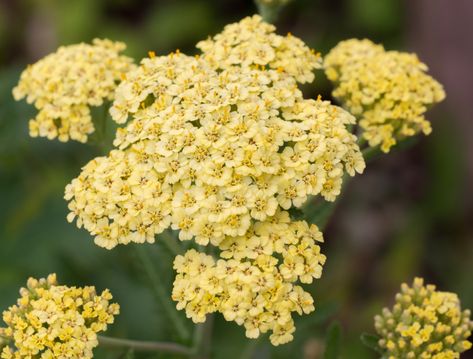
(389, 91)
(248, 286)
(254, 42)
(218, 150)
(120, 198)
(55, 321)
(64, 84)
(424, 323)
(210, 151)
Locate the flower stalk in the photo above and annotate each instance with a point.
(203, 338)
(144, 346)
(270, 9)
(162, 293)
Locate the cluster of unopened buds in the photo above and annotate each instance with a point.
(221, 147)
(424, 323)
(55, 321)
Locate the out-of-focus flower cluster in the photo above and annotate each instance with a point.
(254, 42)
(424, 323)
(54, 321)
(388, 90)
(251, 286)
(209, 152)
(64, 85)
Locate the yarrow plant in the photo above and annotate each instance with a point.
(64, 85)
(55, 321)
(424, 323)
(388, 90)
(213, 152)
(223, 150)
(246, 285)
(253, 42)
(217, 150)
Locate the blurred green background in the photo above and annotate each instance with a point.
(409, 214)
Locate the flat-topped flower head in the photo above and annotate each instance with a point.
(208, 151)
(347, 52)
(120, 198)
(253, 42)
(250, 285)
(389, 91)
(65, 84)
(424, 323)
(55, 321)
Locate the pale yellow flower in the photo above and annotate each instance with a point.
(65, 84)
(253, 42)
(389, 91)
(250, 285)
(217, 147)
(208, 151)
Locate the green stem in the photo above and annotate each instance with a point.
(270, 11)
(162, 293)
(171, 242)
(370, 152)
(203, 332)
(99, 137)
(148, 346)
(251, 347)
(361, 140)
(319, 212)
(159, 289)
(203, 338)
(4, 341)
(103, 130)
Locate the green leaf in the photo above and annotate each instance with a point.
(371, 341)
(332, 341)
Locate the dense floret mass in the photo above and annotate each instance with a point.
(389, 91)
(210, 151)
(424, 323)
(65, 84)
(55, 321)
(250, 285)
(253, 42)
(219, 147)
